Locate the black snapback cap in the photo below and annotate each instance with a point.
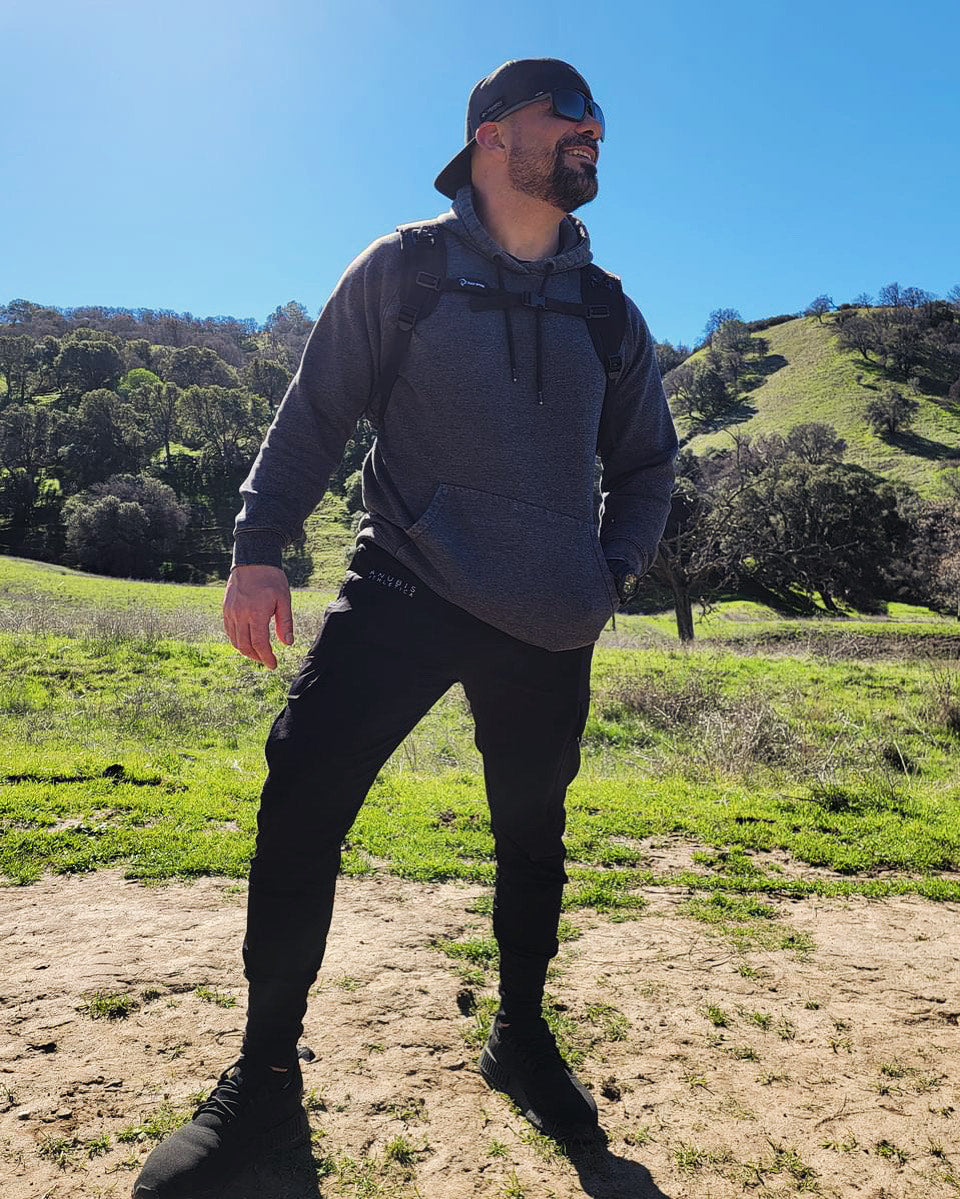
(509, 85)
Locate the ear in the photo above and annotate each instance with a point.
(489, 136)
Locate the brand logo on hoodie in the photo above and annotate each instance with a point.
(472, 283)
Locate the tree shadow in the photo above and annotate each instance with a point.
(604, 1175)
(768, 365)
(738, 412)
(922, 447)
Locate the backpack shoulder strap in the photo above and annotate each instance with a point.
(423, 259)
(602, 293)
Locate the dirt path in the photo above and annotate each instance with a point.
(845, 1080)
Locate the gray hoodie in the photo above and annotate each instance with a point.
(481, 477)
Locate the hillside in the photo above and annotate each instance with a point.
(804, 376)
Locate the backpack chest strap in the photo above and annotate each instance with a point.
(495, 297)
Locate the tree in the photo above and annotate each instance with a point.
(698, 391)
(226, 423)
(858, 333)
(916, 297)
(201, 367)
(948, 581)
(100, 437)
(815, 443)
(287, 329)
(87, 365)
(862, 300)
(127, 526)
(891, 296)
(710, 395)
(819, 307)
(828, 528)
(670, 356)
(691, 560)
(267, 379)
(18, 362)
(355, 451)
(923, 572)
(30, 514)
(25, 436)
(717, 319)
(892, 413)
(157, 404)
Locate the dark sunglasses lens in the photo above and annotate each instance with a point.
(569, 104)
(572, 106)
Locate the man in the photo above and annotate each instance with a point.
(477, 561)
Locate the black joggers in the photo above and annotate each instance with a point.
(388, 649)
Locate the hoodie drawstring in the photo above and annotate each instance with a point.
(536, 316)
(536, 319)
(506, 317)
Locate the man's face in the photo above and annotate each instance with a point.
(541, 161)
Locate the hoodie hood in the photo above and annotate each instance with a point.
(462, 220)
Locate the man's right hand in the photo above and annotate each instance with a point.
(254, 595)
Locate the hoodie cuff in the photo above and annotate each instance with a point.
(259, 547)
(626, 551)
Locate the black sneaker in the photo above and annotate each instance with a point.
(253, 1110)
(522, 1060)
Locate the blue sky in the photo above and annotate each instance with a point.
(223, 158)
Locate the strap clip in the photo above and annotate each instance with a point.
(407, 317)
(425, 279)
(532, 299)
(597, 310)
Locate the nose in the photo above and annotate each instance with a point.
(591, 126)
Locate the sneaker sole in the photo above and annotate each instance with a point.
(282, 1137)
(500, 1080)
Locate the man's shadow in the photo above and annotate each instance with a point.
(603, 1175)
(288, 1175)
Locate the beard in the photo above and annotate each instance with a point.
(547, 175)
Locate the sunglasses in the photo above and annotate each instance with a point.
(568, 104)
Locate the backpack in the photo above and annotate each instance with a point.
(423, 257)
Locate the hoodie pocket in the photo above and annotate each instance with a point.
(537, 574)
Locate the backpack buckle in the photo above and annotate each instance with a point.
(425, 279)
(614, 364)
(597, 310)
(532, 299)
(407, 317)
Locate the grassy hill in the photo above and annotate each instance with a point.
(804, 376)
(330, 540)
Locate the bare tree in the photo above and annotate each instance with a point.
(819, 307)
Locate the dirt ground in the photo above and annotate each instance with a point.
(837, 1071)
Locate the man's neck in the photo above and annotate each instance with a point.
(525, 227)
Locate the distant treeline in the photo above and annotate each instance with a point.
(125, 434)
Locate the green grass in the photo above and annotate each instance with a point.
(330, 540)
(156, 1125)
(41, 597)
(110, 1005)
(129, 746)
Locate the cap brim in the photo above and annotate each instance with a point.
(455, 174)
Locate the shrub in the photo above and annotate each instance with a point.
(125, 526)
